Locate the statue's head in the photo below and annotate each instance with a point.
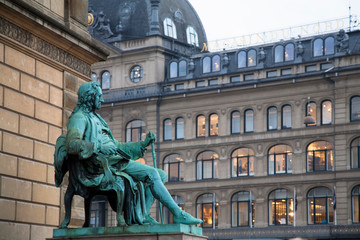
(90, 96)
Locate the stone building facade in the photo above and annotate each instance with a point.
(45, 54)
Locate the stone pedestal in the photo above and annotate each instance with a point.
(144, 232)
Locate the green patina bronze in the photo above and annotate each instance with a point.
(100, 165)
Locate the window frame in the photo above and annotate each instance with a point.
(167, 162)
(283, 116)
(289, 200)
(355, 145)
(169, 28)
(328, 198)
(197, 126)
(107, 83)
(250, 209)
(141, 132)
(351, 108)
(250, 157)
(214, 211)
(315, 111)
(210, 124)
(357, 187)
(176, 128)
(213, 163)
(322, 112)
(246, 58)
(324, 152)
(246, 120)
(164, 130)
(288, 160)
(232, 122)
(268, 118)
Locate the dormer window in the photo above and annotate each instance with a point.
(284, 56)
(211, 64)
(169, 28)
(323, 47)
(246, 59)
(178, 69)
(192, 36)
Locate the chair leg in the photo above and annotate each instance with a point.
(70, 191)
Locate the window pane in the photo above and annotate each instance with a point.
(241, 59)
(355, 109)
(206, 65)
(182, 68)
(286, 117)
(271, 164)
(105, 80)
(251, 58)
(289, 52)
(279, 53)
(326, 112)
(94, 77)
(320, 210)
(355, 207)
(272, 213)
(167, 129)
(243, 213)
(281, 213)
(234, 214)
(192, 37)
(173, 69)
(249, 121)
(216, 63)
(207, 215)
(169, 28)
(272, 118)
(329, 46)
(179, 128)
(311, 107)
(214, 123)
(200, 126)
(319, 161)
(235, 122)
(355, 145)
(135, 131)
(207, 169)
(234, 167)
(280, 163)
(199, 170)
(318, 47)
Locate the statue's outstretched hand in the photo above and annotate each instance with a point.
(108, 149)
(150, 137)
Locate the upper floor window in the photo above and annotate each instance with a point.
(355, 202)
(99, 212)
(355, 108)
(169, 28)
(242, 209)
(206, 64)
(207, 165)
(182, 68)
(173, 69)
(319, 156)
(207, 206)
(215, 63)
(286, 117)
(281, 207)
(136, 74)
(249, 120)
(279, 53)
(168, 216)
(178, 69)
(94, 77)
(235, 122)
(272, 118)
(242, 162)
(135, 131)
(246, 59)
(329, 46)
(323, 47)
(355, 153)
(200, 126)
(167, 129)
(320, 206)
(174, 167)
(214, 125)
(179, 128)
(289, 52)
(192, 36)
(326, 112)
(280, 159)
(105, 80)
(311, 108)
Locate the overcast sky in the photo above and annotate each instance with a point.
(232, 18)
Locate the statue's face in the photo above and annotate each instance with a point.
(98, 99)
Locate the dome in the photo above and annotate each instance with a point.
(121, 20)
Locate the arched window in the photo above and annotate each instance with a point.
(326, 112)
(173, 69)
(329, 46)
(135, 131)
(213, 124)
(251, 58)
(280, 159)
(206, 65)
(192, 36)
(355, 108)
(182, 68)
(320, 206)
(167, 129)
(179, 128)
(272, 118)
(242, 209)
(286, 117)
(318, 47)
(99, 211)
(355, 153)
(279, 53)
(169, 28)
(311, 108)
(105, 80)
(281, 207)
(289, 52)
(235, 122)
(200, 126)
(207, 165)
(174, 167)
(207, 210)
(94, 77)
(216, 63)
(242, 162)
(168, 216)
(319, 156)
(355, 200)
(249, 121)
(241, 59)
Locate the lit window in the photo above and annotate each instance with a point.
(251, 60)
(216, 63)
(179, 128)
(182, 68)
(242, 209)
(329, 46)
(235, 122)
(200, 126)
(94, 77)
(323, 47)
(355, 200)
(281, 207)
(279, 53)
(204, 210)
(214, 125)
(326, 112)
(174, 167)
(241, 59)
(286, 117)
(168, 216)
(249, 121)
(311, 108)
(242, 162)
(173, 70)
(280, 159)
(192, 36)
(319, 156)
(272, 118)
(355, 109)
(355, 153)
(135, 131)
(320, 206)
(206, 64)
(167, 129)
(289, 52)
(105, 80)
(207, 165)
(136, 74)
(169, 28)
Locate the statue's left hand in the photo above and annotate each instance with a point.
(150, 137)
